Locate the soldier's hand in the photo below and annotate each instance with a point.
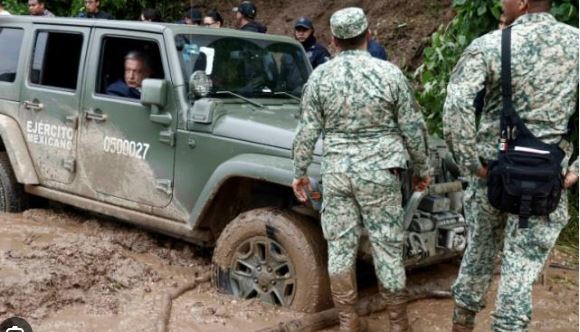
(570, 179)
(482, 172)
(300, 186)
(420, 184)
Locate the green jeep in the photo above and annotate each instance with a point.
(204, 155)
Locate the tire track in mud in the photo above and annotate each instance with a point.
(51, 260)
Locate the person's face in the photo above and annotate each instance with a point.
(210, 22)
(239, 17)
(91, 6)
(302, 33)
(135, 73)
(512, 9)
(35, 8)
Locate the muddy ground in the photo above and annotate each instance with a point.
(61, 269)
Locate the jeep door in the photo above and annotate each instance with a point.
(50, 100)
(125, 157)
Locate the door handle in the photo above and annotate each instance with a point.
(33, 105)
(95, 114)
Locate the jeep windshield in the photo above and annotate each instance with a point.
(252, 68)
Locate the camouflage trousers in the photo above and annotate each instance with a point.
(524, 252)
(373, 201)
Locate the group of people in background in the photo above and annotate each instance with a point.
(245, 19)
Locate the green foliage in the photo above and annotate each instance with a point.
(16, 7)
(121, 9)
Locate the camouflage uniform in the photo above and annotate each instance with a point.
(370, 121)
(545, 83)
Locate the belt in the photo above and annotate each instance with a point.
(363, 132)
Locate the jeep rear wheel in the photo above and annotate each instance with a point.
(276, 256)
(12, 196)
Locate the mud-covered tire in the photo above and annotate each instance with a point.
(290, 237)
(12, 195)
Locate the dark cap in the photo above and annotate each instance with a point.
(247, 9)
(304, 22)
(194, 14)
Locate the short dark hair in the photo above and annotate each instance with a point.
(215, 15)
(194, 14)
(352, 43)
(151, 14)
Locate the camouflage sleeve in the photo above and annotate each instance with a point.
(467, 79)
(413, 128)
(574, 167)
(308, 132)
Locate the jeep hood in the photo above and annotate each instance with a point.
(272, 125)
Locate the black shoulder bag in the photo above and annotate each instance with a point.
(526, 179)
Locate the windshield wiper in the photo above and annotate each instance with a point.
(225, 92)
(287, 95)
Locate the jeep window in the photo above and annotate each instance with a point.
(112, 63)
(251, 68)
(10, 42)
(56, 59)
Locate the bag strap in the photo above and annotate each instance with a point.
(506, 72)
(509, 118)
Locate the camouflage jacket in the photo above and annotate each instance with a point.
(544, 83)
(370, 120)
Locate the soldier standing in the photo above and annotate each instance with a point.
(366, 109)
(544, 67)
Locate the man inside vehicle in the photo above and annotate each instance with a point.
(137, 68)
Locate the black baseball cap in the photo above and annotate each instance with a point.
(304, 22)
(247, 9)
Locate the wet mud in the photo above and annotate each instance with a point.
(61, 269)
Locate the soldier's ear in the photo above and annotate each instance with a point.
(523, 5)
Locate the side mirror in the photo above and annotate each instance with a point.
(154, 93)
(199, 84)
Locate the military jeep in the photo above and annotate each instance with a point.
(204, 155)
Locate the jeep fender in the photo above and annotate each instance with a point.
(17, 151)
(272, 169)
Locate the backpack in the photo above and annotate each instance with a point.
(526, 179)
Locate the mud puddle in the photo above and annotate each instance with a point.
(66, 270)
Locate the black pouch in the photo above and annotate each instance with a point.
(526, 179)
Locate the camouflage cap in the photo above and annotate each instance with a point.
(348, 23)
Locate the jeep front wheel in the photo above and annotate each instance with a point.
(276, 256)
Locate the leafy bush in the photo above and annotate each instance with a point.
(121, 9)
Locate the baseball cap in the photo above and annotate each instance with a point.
(348, 23)
(304, 22)
(247, 9)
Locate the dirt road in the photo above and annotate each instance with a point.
(65, 270)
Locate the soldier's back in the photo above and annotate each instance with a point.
(357, 92)
(360, 98)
